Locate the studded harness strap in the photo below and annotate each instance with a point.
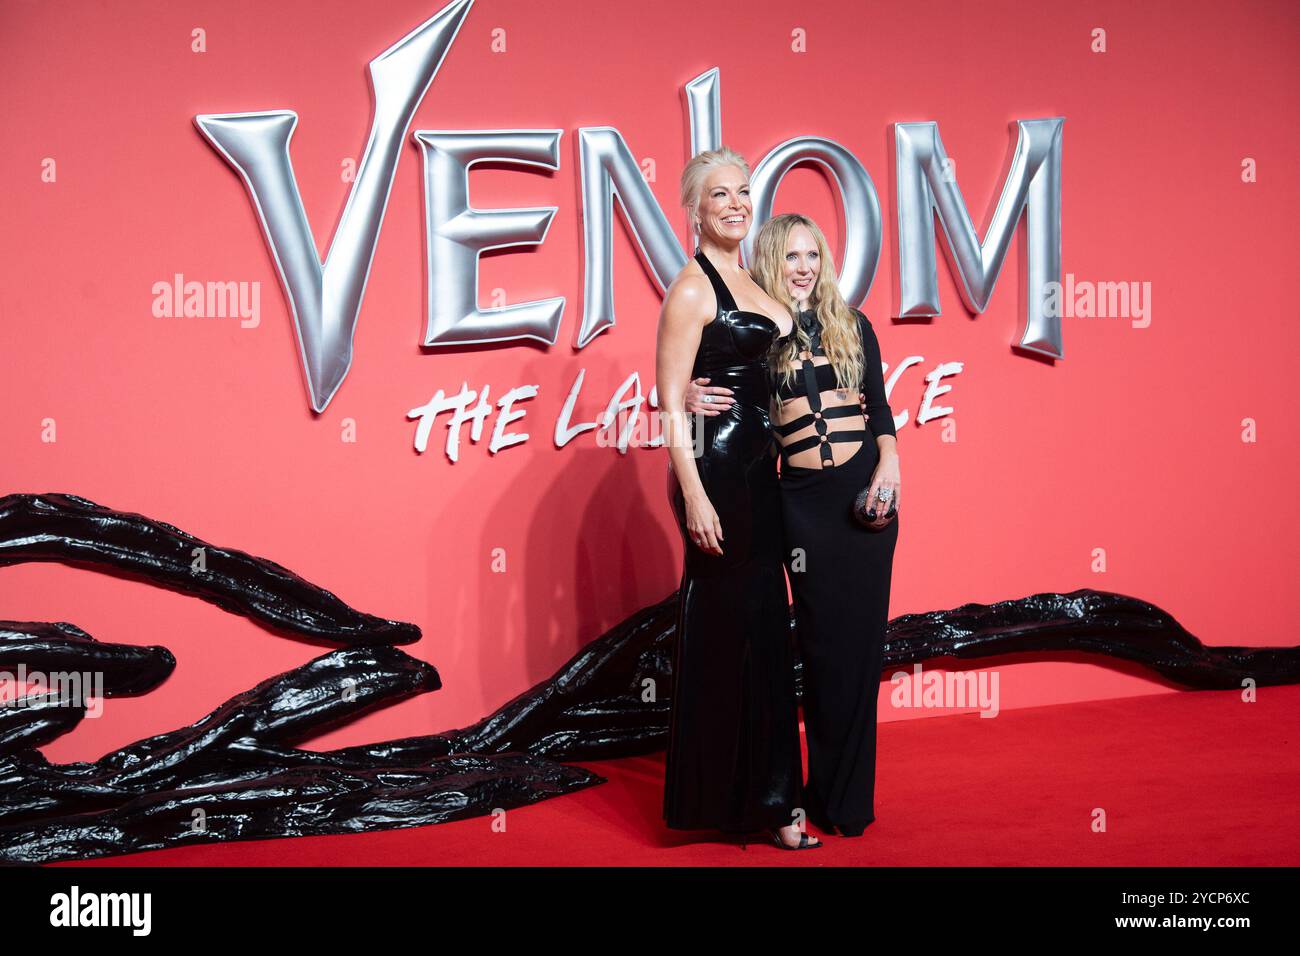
(818, 415)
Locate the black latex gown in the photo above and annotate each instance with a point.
(733, 759)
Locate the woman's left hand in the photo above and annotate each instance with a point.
(885, 479)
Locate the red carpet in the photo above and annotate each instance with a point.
(1188, 778)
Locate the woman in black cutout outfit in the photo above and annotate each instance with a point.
(840, 573)
(733, 761)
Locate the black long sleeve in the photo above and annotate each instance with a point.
(879, 415)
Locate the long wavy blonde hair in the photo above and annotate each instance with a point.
(840, 338)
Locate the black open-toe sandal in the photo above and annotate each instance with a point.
(803, 841)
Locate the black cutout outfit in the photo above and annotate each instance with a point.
(840, 576)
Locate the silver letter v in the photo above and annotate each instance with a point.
(326, 300)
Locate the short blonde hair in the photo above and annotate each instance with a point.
(697, 169)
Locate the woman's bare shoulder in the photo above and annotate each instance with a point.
(691, 293)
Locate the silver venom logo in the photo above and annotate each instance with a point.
(325, 298)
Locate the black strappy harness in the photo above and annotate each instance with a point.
(818, 415)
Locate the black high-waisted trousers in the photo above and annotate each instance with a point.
(841, 601)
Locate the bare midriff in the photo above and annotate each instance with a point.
(798, 405)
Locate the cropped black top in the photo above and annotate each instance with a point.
(813, 379)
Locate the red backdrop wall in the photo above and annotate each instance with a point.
(1132, 443)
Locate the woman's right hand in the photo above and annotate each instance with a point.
(720, 399)
(703, 526)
